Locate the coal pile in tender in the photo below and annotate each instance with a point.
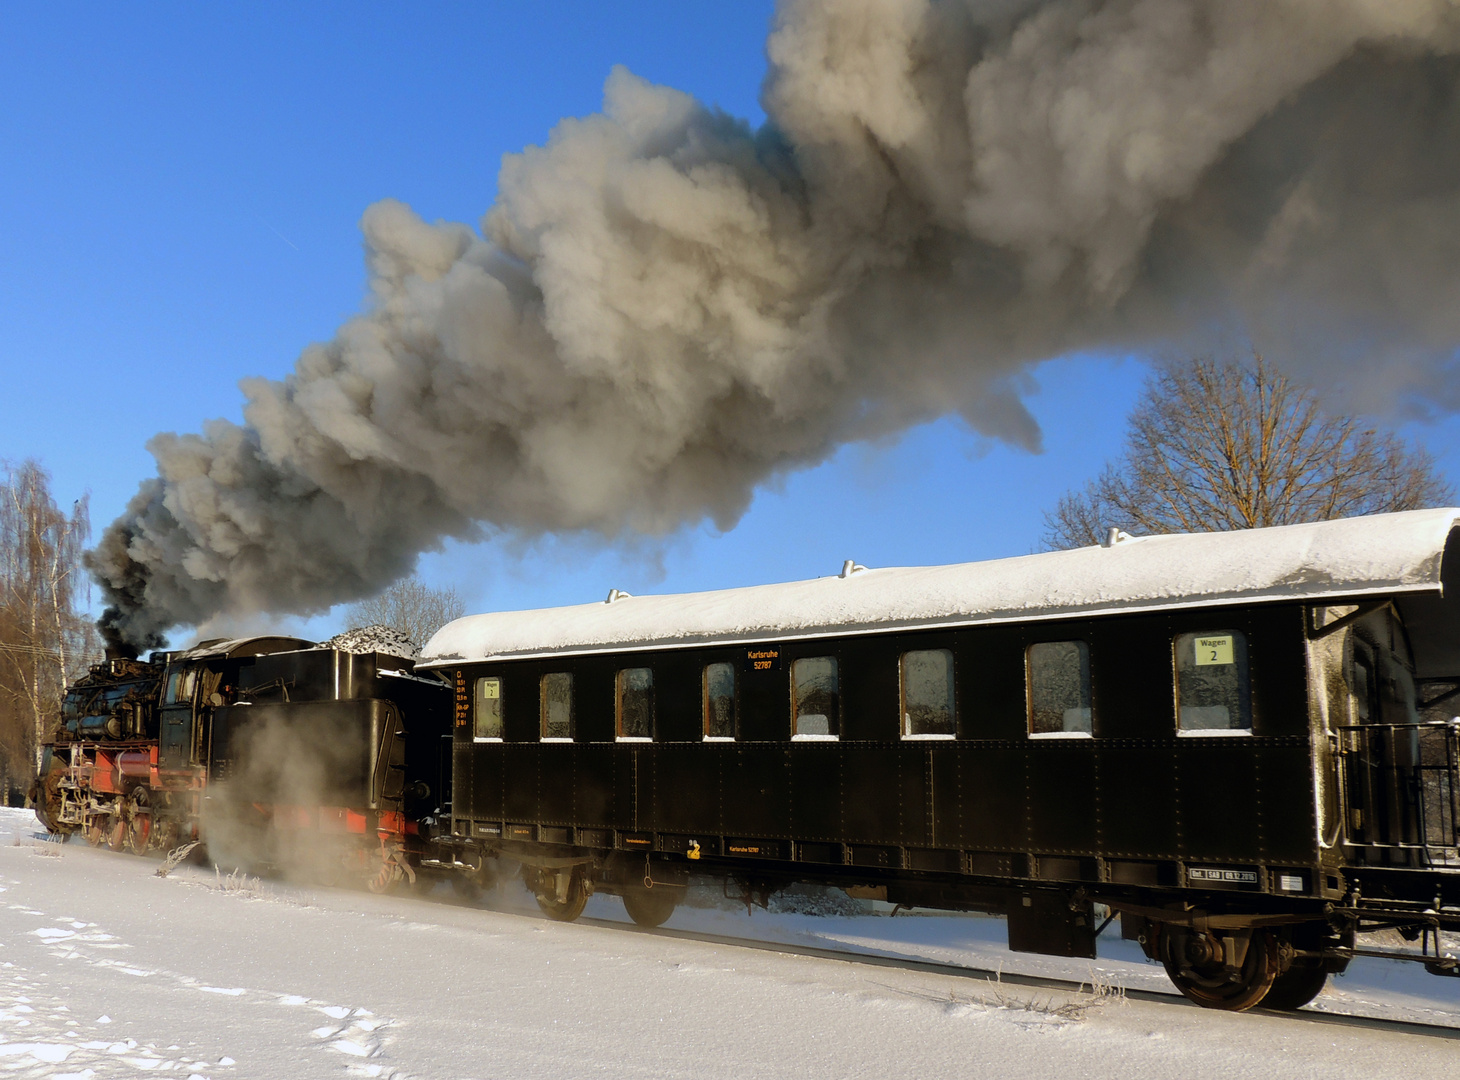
(374, 639)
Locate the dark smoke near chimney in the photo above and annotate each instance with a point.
(665, 307)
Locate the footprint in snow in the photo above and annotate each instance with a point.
(358, 1038)
(53, 933)
(51, 1042)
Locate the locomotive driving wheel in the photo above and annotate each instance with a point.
(116, 837)
(1198, 964)
(98, 828)
(139, 822)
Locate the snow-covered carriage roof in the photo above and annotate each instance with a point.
(1386, 555)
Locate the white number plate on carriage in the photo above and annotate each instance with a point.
(1217, 875)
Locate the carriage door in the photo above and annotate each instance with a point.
(175, 738)
(1369, 810)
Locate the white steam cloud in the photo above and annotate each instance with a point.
(665, 307)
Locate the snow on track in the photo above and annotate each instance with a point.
(108, 971)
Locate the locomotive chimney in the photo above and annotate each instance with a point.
(119, 649)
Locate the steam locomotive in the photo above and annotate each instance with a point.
(282, 753)
(1241, 744)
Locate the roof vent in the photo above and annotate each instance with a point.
(617, 594)
(850, 567)
(1115, 536)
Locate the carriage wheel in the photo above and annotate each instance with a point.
(166, 833)
(468, 887)
(546, 890)
(651, 907)
(1194, 963)
(472, 885)
(1297, 986)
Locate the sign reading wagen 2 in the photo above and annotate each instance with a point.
(763, 659)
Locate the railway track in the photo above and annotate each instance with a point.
(1004, 978)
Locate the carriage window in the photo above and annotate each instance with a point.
(1212, 690)
(927, 693)
(1059, 688)
(719, 701)
(815, 699)
(557, 705)
(489, 709)
(636, 703)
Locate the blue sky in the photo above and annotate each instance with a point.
(180, 187)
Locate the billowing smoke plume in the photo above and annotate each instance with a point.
(666, 307)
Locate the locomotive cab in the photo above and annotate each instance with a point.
(178, 716)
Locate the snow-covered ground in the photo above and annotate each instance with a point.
(109, 971)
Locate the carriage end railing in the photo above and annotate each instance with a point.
(1401, 785)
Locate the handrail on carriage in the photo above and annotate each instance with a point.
(1403, 780)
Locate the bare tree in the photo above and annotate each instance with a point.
(46, 640)
(409, 607)
(1228, 445)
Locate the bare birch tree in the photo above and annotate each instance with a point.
(1229, 445)
(409, 607)
(46, 640)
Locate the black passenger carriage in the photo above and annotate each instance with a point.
(1240, 742)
